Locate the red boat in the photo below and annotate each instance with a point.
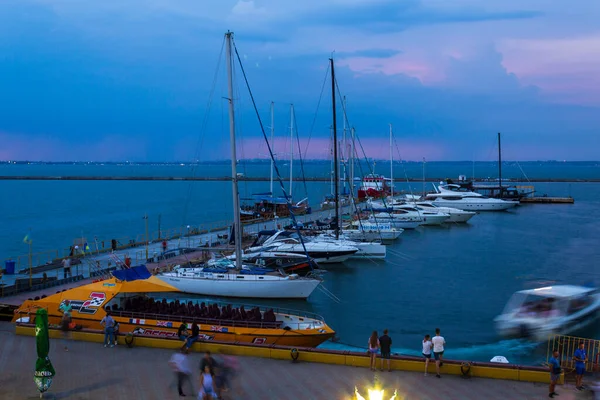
(374, 186)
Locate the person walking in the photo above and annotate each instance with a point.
(208, 389)
(438, 351)
(580, 358)
(109, 329)
(209, 361)
(65, 323)
(555, 371)
(427, 346)
(183, 373)
(385, 344)
(373, 349)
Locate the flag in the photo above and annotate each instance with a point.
(27, 239)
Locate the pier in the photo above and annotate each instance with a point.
(90, 371)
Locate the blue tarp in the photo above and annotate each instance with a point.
(132, 274)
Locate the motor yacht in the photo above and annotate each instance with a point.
(455, 196)
(291, 242)
(539, 313)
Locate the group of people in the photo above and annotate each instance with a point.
(580, 358)
(383, 344)
(214, 379)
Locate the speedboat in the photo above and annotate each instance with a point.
(454, 196)
(291, 242)
(539, 313)
(290, 263)
(132, 303)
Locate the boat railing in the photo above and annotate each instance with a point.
(198, 320)
(247, 306)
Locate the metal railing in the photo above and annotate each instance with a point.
(566, 346)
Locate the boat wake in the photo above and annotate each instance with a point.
(517, 351)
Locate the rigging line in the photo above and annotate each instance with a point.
(200, 142)
(312, 126)
(523, 172)
(262, 129)
(300, 155)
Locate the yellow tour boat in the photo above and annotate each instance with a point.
(136, 308)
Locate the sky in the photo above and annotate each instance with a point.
(144, 80)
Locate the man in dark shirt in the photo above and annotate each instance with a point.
(385, 344)
(207, 360)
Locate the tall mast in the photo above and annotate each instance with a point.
(291, 147)
(391, 164)
(500, 165)
(234, 180)
(352, 162)
(343, 146)
(335, 154)
(272, 142)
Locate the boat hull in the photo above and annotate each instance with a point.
(476, 206)
(243, 286)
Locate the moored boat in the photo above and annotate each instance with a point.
(133, 306)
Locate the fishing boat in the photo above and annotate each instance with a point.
(542, 312)
(139, 304)
(374, 186)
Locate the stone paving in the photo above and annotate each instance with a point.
(90, 371)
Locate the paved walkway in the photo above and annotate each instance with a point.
(89, 371)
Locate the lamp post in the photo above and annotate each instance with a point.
(188, 235)
(147, 241)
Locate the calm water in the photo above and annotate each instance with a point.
(456, 277)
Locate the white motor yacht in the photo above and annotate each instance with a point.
(466, 200)
(365, 249)
(431, 216)
(542, 312)
(456, 215)
(365, 231)
(289, 242)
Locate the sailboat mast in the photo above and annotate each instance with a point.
(237, 225)
(344, 160)
(500, 165)
(391, 164)
(272, 140)
(291, 147)
(335, 154)
(352, 162)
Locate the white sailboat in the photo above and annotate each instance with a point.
(242, 280)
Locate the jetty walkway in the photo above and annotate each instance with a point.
(90, 371)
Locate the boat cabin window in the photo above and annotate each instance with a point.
(532, 306)
(578, 304)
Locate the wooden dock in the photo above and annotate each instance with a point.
(547, 200)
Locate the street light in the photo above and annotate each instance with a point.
(188, 235)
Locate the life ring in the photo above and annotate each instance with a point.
(129, 338)
(263, 210)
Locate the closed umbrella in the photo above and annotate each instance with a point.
(44, 371)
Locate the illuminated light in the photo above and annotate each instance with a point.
(543, 288)
(374, 394)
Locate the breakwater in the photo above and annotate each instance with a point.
(262, 179)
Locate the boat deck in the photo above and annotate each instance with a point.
(90, 371)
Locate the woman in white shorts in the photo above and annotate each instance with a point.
(208, 389)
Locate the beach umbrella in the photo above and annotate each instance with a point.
(44, 371)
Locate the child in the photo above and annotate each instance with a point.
(116, 332)
(427, 346)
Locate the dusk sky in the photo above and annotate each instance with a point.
(131, 79)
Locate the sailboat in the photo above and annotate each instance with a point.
(225, 278)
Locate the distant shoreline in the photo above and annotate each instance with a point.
(268, 161)
(265, 179)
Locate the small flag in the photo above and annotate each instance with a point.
(137, 321)
(27, 239)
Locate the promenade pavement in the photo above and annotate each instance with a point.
(90, 371)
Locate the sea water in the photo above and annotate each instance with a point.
(455, 277)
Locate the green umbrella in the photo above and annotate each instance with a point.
(44, 371)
